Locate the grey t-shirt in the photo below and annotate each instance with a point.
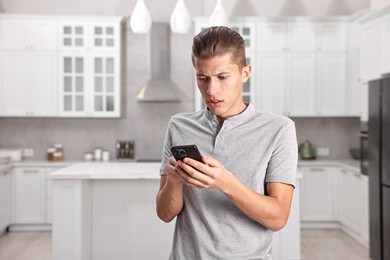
(256, 147)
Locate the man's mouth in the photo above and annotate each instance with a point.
(215, 102)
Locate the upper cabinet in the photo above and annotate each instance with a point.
(299, 36)
(67, 66)
(375, 39)
(84, 35)
(31, 34)
(29, 80)
(301, 67)
(89, 69)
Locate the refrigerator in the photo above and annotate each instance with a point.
(379, 168)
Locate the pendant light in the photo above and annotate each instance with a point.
(180, 20)
(219, 16)
(140, 21)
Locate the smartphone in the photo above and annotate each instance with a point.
(182, 151)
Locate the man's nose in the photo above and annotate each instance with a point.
(213, 87)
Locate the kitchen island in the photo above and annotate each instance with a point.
(107, 211)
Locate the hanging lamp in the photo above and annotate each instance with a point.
(141, 20)
(219, 16)
(180, 20)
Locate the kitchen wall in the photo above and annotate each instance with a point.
(379, 4)
(146, 122)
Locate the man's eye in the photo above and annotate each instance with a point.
(202, 78)
(223, 77)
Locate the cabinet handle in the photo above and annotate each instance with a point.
(344, 171)
(30, 171)
(317, 169)
(358, 175)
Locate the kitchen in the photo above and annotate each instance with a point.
(145, 122)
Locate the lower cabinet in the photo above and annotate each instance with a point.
(31, 196)
(28, 196)
(353, 205)
(335, 197)
(318, 194)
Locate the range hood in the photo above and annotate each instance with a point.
(160, 87)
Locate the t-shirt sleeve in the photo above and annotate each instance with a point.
(166, 153)
(282, 166)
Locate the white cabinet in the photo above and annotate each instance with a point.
(49, 194)
(29, 84)
(85, 35)
(89, 85)
(386, 43)
(29, 34)
(32, 197)
(28, 195)
(301, 68)
(89, 69)
(319, 193)
(353, 204)
(371, 49)
(286, 243)
(332, 36)
(271, 71)
(43, 78)
(331, 84)
(29, 79)
(5, 200)
(301, 77)
(302, 37)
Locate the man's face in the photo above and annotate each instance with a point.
(220, 82)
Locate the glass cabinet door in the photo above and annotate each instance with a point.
(73, 85)
(105, 86)
(105, 36)
(73, 36)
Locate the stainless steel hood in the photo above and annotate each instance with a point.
(160, 87)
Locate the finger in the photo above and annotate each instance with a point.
(193, 173)
(172, 160)
(211, 161)
(199, 166)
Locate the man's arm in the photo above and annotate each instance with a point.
(169, 200)
(271, 211)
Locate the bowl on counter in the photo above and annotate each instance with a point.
(355, 153)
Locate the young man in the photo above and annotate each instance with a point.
(228, 206)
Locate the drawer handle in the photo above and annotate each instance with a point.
(358, 175)
(30, 171)
(317, 169)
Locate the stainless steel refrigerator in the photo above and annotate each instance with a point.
(379, 168)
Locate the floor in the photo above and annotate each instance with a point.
(317, 244)
(329, 244)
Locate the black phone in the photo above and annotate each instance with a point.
(182, 151)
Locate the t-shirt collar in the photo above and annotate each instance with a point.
(239, 118)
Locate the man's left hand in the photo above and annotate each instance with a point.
(208, 175)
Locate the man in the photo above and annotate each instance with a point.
(228, 206)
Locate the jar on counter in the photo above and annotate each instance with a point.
(50, 153)
(57, 156)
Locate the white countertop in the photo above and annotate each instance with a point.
(139, 170)
(109, 170)
(347, 163)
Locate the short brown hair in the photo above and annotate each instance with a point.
(216, 41)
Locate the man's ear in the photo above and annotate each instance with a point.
(246, 72)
